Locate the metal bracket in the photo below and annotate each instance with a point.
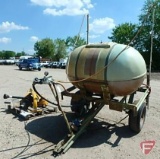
(106, 94)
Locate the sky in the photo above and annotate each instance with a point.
(24, 22)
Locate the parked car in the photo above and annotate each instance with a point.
(18, 62)
(49, 65)
(62, 65)
(2, 62)
(44, 63)
(55, 64)
(9, 62)
(30, 64)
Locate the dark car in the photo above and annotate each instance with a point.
(30, 64)
(18, 62)
(55, 64)
(62, 65)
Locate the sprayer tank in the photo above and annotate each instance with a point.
(118, 67)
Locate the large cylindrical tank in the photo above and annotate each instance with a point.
(119, 67)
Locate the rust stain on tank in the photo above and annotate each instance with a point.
(90, 63)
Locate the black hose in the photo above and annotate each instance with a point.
(34, 88)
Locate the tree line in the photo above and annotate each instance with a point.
(135, 35)
(6, 54)
(49, 48)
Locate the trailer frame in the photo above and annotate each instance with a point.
(86, 106)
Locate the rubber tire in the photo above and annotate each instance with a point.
(28, 69)
(78, 107)
(136, 122)
(20, 68)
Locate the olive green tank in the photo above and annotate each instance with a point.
(119, 67)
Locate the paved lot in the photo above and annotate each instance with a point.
(36, 138)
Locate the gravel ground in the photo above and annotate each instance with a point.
(35, 138)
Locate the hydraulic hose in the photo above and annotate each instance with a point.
(34, 88)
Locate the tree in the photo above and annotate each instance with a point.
(45, 48)
(142, 41)
(7, 54)
(151, 9)
(1, 54)
(124, 33)
(74, 42)
(18, 54)
(60, 49)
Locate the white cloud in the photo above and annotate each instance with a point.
(65, 7)
(88, 3)
(50, 3)
(99, 26)
(5, 40)
(34, 38)
(66, 11)
(7, 27)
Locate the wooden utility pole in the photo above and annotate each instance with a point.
(87, 29)
(151, 51)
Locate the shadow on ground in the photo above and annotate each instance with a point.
(53, 129)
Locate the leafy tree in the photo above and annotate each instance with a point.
(8, 54)
(60, 49)
(74, 42)
(124, 33)
(45, 48)
(18, 54)
(1, 54)
(151, 9)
